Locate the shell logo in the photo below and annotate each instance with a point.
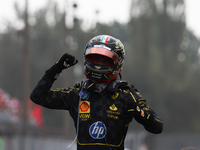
(84, 107)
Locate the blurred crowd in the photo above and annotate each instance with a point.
(10, 108)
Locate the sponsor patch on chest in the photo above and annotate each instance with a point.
(84, 107)
(97, 130)
(84, 95)
(84, 110)
(112, 112)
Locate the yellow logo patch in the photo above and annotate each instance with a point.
(84, 117)
(115, 96)
(113, 107)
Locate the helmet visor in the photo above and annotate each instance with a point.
(99, 59)
(102, 51)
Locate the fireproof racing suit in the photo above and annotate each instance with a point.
(103, 117)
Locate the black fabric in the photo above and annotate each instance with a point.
(53, 71)
(115, 84)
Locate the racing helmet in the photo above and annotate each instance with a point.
(103, 58)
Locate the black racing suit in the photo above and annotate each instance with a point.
(103, 117)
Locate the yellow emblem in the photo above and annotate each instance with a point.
(113, 107)
(115, 96)
(138, 109)
(97, 67)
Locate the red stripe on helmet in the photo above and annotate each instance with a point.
(106, 41)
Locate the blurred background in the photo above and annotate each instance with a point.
(162, 61)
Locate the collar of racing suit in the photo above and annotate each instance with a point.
(99, 87)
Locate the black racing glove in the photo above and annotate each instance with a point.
(65, 62)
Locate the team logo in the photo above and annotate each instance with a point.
(97, 130)
(115, 96)
(84, 95)
(113, 107)
(84, 107)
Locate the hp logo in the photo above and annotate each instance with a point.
(97, 130)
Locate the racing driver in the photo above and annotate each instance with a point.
(102, 105)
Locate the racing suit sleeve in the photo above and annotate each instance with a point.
(54, 99)
(42, 95)
(143, 114)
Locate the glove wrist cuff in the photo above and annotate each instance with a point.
(53, 72)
